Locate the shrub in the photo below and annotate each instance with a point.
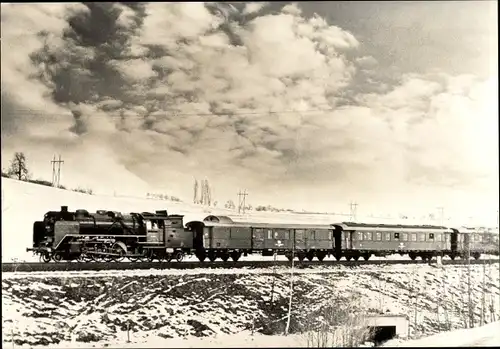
(340, 324)
(84, 191)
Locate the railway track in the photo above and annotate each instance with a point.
(92, 266)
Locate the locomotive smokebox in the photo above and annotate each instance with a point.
(64, 208)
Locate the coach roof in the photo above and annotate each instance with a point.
(382, 227)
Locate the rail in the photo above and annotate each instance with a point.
(95, 266)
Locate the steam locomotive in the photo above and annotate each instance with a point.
(111, 236)
(108, 236)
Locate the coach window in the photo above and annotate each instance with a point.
(312, 235)
(396, 236)
(438, 237)
(413, 236)
(286, 235)
(431, 236)
(479, 238)
(360, 236)
(378, 236)
(404, 236)
(269, 234)
(421, 237)
(387, 237)
(368, 235)
(258, 231)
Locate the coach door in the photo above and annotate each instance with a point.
(300, 243)
(258, 238)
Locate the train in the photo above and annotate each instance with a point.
(112, 236)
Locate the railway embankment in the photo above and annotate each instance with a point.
(135, 307)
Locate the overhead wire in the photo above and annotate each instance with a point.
(172, 112)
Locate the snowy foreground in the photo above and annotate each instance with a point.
(484, 336)
(488, 335)
(163, 308)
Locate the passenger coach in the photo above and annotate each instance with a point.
(221, 237)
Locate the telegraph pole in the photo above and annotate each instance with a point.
(354, 207)
(56, 174)
(241, 202)
(441, 215)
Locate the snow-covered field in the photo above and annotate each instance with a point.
(483, 336)
(174, 307)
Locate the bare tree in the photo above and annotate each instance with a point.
(18, 167)
(340, 324)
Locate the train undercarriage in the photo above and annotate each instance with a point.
(135, 249)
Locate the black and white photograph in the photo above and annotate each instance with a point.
(250, 174)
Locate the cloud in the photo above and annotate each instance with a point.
(253, 7)
(367, 61)
(165, 92)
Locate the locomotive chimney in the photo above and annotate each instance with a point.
(64, 208)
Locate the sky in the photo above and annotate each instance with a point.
(307, 105)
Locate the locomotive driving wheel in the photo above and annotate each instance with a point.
(45, 257)
(179, 256)
(118, 250)
(57, 257)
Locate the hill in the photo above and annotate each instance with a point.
(172, 308)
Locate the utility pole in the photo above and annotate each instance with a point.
(352, 216)
(241, 202)
(287, 328)
(441, 215)
(56, 175)
(470, 309)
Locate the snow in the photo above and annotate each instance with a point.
(487, 335)
(54, 309)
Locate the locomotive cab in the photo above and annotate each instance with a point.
(175, 234)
